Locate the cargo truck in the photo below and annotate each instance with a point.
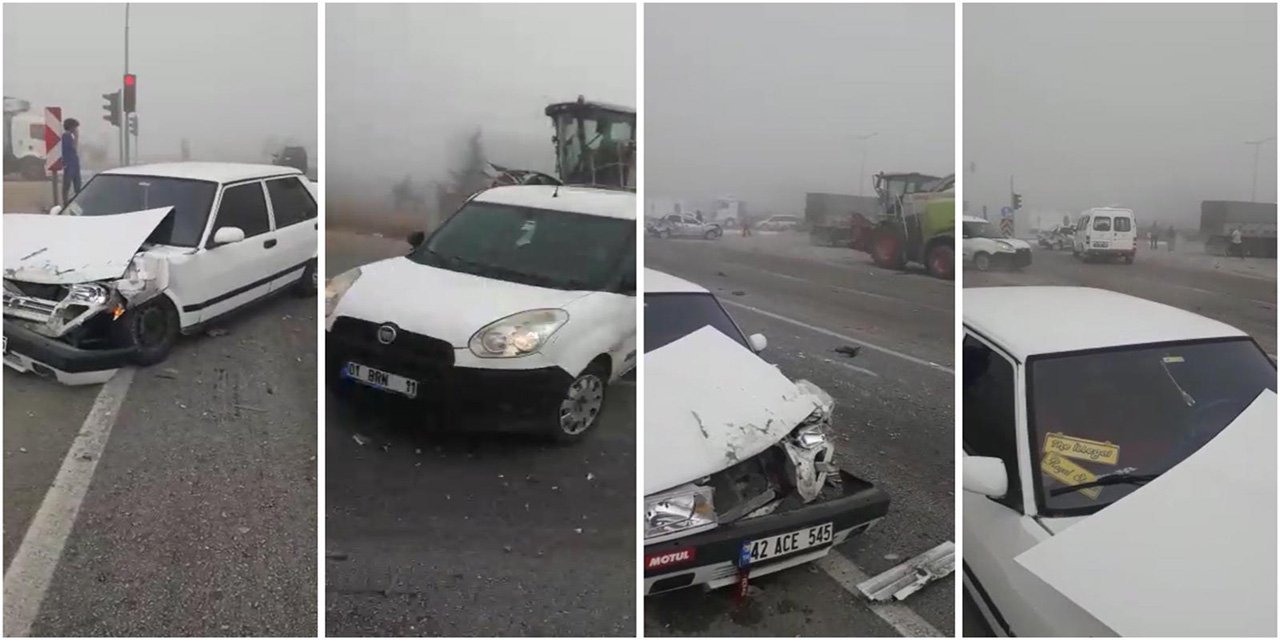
(1255, 220)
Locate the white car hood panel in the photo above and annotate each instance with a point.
(443, 304)
(710, 403)
(68, 249)
(1191, 554)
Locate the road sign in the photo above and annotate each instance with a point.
(1006, 212)
(53, 139)
(1006, 227)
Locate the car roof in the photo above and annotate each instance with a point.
(1109, 210)
(222, 172)
(596, 202)
(1029, 321)
(974, 219)
(659, 282)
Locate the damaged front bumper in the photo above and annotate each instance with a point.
(27, 351)
(714, 558)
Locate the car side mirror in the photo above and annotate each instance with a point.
(758, 342)
(228, 235)
(55, 210)
(416, 238)
(986, 476)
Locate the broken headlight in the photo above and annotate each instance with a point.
(685, 510)
(518, 334)
(337, 287)
(89, 293)
(809, 449)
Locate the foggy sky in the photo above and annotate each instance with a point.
(224, 76)
(1147, 106)
(763, 102)
(407, 83)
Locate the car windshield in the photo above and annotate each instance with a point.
(1124, 416)
(540, 247)
(981, 229)
(108, 195)
(671, 316)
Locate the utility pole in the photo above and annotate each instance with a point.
(1257, 147)
(124, 130)
(862, 173)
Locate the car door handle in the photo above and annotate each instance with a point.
(269, 243)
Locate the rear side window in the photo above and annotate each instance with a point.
(1102, 223)
(1123, 224)
(243, 206)
(290, 201)
(990, 419)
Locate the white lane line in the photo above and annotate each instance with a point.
(906, 622)
(836, 287)
(874, 347)
(31, 571)
(858, 369)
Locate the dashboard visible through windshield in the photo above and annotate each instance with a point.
(539, 247)
(108, 195)
(1104, 423)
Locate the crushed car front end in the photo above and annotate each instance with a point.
(786, 506)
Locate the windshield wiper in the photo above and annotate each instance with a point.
(1119, 478)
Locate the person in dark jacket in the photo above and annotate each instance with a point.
(70, 157)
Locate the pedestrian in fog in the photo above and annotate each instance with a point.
(746, 226)
(1237, 243)
(70, 157)
(1171, 237)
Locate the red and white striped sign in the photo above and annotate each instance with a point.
(53, 138)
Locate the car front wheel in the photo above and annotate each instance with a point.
(982, 262)
(150, 328)
(581, 404)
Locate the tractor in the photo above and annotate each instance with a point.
(916, 223)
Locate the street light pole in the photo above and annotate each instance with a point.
(862, 173)
(1257, 147)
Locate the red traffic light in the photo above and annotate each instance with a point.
(130, 79)
(130, 93)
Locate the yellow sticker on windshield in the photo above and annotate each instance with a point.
(1069, 473)
(1172, 359)
(1081, 449)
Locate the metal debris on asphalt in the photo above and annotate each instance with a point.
(360, 440)
(911, 576)
(217, 332)
(846, 350)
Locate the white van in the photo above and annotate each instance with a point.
(1106, 232)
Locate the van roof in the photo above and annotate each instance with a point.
(1109, 210)
(1028, 321)
(597, 202)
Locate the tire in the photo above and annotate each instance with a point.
(664, 234)
(580, 406)
(1128, 258)
(713, 233)
(308, 284)
(941, 261)
(982, 261)
(150, 328)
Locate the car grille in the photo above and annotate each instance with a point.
(411, 354)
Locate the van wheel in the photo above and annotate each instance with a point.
(308, 284)
(1128, 258)
(151, 328)
(982, 262)
(580, 405)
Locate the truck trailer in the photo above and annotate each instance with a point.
(1255, 220)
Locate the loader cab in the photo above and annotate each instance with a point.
(595, 144)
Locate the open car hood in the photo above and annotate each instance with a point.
(1193, 553)
(710, 403)
(68, 249)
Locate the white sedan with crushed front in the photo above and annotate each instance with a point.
(516, 313)
(145, 253)
(1119, 470)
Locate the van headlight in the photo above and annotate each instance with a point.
(685, 510)
(519, 334)
(337, 287)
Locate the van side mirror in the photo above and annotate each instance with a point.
(985, 475)
(416, 238)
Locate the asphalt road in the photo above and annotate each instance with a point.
(430, 532)
(201, 515)
(893, 421)
(1239, 292)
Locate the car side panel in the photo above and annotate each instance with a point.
(600, 323)
(296, 245)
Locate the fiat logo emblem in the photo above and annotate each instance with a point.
(387, 334)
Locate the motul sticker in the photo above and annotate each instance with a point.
(669, 559)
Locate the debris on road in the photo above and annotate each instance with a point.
(171, 374)
(335, 555)
(738, 293)
(847, 350)
(216, 332)
(360, 440)
(249, 408)
(911, 576)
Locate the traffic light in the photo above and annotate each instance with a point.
(1017, 201)
(133, 124)
(130, 93)
(112, 107)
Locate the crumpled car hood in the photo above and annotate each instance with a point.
(409, 294)
(1193, 553)
(68, 249)
(710, 403)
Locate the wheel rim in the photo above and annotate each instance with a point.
(983, 262)
(152, 327)
(581, 404)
